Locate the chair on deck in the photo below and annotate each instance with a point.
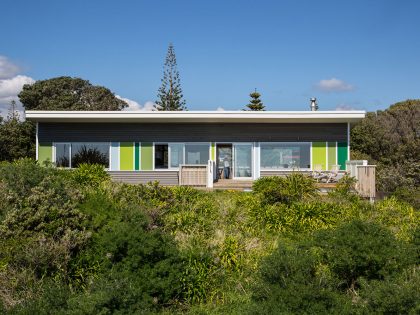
(317, 173)
(333, 174)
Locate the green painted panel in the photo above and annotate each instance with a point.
(45, 151)
(137, 157)
(319, 154)
(146, 156)
(126, 156)
(342, 154)
(213, 151)
(332, 154)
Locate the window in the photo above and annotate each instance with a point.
(91, 153)
(171, 155)
(73, 154)
(62, 154)
(285, 155)
(176, 152)
(161, 156)
(196, 153)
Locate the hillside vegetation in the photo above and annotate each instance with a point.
(72, 242)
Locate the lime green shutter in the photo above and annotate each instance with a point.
(45, 152)
(146, 156)
(319, 154)
(126, 156)
(332, 154)
(213, 151)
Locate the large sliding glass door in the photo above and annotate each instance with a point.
(242, 160)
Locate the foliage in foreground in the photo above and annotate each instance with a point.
(390, 139)
(75, 243)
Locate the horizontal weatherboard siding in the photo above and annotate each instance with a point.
(167, 178)
(191, 132)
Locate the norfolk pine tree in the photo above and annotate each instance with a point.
(170, 93)
(255, 103)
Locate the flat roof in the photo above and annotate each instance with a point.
(197, 116)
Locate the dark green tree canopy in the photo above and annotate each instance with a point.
(391, 139)
(170, 92)
(67, 93)
(255, 104)
(17, 138)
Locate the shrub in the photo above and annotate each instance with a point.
(410, 195)
(345, 186)
(293, 280)
(401, 218)
(302, 216)
(291, 188)
(358, 249)
(144, 262)
(90, 174)
(320, 274)
(397, 295)
(22, 175)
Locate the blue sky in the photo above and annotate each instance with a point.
(348, 54)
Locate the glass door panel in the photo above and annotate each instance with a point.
(242, 160)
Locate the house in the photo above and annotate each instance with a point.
(140, 146)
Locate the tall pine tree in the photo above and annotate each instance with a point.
(255, 103)
(170, 93)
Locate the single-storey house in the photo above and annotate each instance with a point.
(141, 146)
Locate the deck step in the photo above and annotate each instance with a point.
(229, 184)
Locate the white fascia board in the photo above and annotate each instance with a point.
(197, 116)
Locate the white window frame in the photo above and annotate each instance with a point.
(194, 143)
(287, 169)
(55, 153)
(169, 154)
(79, 142)
(234, 160)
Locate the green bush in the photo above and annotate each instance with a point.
(21, 176)
(90, 174)
(410, 195)
(321, 274)
(291, 188)
(396, 295)
(294, 280)
(401, 218)
(363, 250)
(345, 187)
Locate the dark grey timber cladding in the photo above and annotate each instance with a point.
(166, 178)
(191, 132)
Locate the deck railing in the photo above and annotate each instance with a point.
(366, 184)
(193, 175)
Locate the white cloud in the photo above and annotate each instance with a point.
(7, 68)
(334, 85)
(9, 89)
(134, 106)
(220, 109)
(344, 107)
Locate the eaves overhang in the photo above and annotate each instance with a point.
(196, 116)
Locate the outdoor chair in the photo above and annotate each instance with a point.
(333, 174)
(317, 173)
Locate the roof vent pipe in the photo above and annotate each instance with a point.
(314, 104)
